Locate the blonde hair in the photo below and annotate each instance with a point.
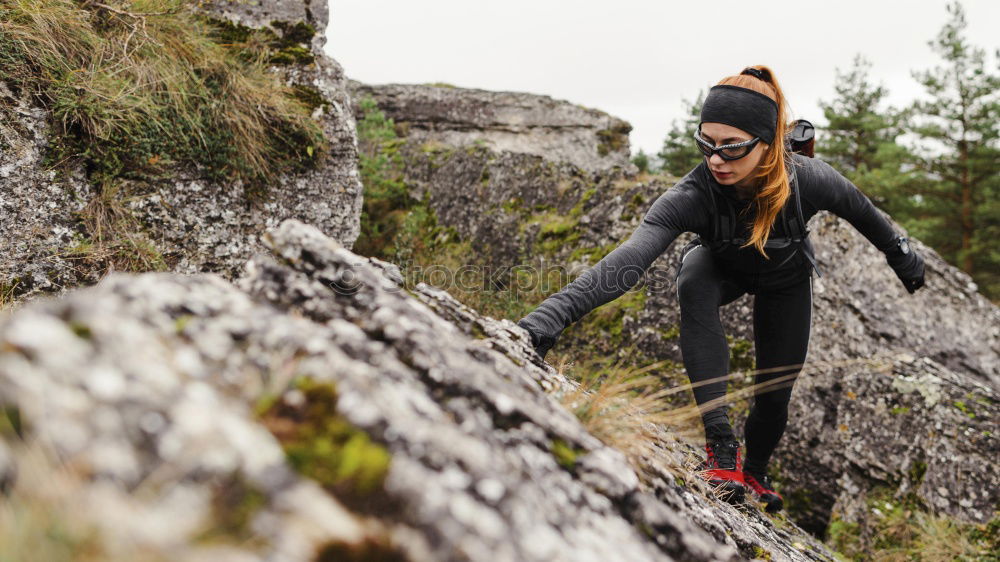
(774, 188)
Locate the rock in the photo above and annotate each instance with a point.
(911, 427)
(495, 167)
(513, 122)
(36, 212)
(863, 311)
(156, 383)
(146, 400)
(197, 225)
(602, 470)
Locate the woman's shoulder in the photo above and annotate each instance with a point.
(817, 180)
(812, 170)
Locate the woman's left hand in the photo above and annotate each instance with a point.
(909, 268)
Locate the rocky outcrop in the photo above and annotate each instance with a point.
(194, 224)
(167, 401)
(515, 122)
(496, 167)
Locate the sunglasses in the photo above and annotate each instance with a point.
(726, 151)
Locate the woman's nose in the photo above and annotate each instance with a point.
(716, 160)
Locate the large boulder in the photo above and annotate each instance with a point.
(903, 430)
(515, 175)
(189, 419)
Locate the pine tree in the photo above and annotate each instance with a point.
(679, 153)
(960, 150)
(641, 161)
(860, 142)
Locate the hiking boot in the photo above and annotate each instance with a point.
(763, 490)
(724, 469)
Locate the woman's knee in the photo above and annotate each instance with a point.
(698, 281)
(690, 290)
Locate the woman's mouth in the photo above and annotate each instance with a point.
(722, 175)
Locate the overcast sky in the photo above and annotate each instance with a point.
(639, 59)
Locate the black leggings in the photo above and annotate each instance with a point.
(781, 323)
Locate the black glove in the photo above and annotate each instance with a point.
(908, 265)
(542, 344)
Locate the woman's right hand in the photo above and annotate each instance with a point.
(541, 343)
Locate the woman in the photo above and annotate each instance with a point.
(748, 201)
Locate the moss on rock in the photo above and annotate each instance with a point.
(565, 454)
(297, 32)
(613, 139)
(323, 445)
(11, 424)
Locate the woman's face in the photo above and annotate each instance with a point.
(731, 172)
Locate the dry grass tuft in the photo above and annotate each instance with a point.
(116, 241)
(622, 408)
(630, 409)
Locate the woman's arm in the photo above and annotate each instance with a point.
(617, 272)
(837, 194)
(834, 192)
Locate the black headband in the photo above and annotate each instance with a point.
(742, 108)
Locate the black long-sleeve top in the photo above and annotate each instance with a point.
(688, 207)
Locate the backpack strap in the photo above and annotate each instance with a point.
(723, 225)
(800, 232)
(797, 231)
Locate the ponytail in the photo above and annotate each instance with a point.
(774, 188)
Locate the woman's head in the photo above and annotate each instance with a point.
(748, 106)
(736, 172)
